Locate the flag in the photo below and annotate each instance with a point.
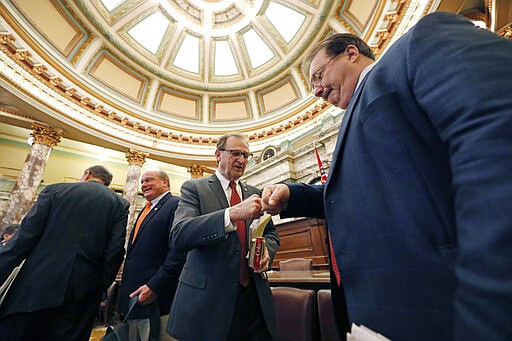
(323, 176)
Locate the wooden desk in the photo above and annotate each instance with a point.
(303, 238)
(315, 279)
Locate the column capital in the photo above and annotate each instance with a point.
(506, 31)
(45, 135)
(136, 157)
(196, 171)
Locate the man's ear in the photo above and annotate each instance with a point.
(217, 155)
(87, 175)
(352, 52)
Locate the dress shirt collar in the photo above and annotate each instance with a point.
(157, 199)
(225, 182)
(363, 74)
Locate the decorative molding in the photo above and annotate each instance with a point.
(197, 171)
(506, 31)
(23, 58)
(46, 135)
(135, 157)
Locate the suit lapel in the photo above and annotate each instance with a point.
(245, 194)
(150, 215)
(219, 192)
(342, 133)
(245, 190)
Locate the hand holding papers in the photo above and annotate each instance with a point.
(257, 241)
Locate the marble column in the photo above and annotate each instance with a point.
(135, 160)
(25, 189)
(196, 171)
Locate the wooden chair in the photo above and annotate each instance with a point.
(328, 329)
(295, 314)
(296, 264)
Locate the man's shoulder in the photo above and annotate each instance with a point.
(200, 181)
(433, 27)
(98, 188)
(170, 199)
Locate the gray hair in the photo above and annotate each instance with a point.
(221, 144)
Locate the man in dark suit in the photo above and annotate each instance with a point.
(219, 297)
(418, 197)
(72, 240)
(152, 267)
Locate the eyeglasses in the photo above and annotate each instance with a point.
(317, 75)
(238, 153)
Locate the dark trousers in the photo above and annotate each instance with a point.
(248, 323)
(72, 322)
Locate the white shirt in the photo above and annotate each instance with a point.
(365, 71)
(156, 200)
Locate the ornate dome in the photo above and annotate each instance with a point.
(169, 77)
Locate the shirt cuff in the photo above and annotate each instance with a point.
(228, 226)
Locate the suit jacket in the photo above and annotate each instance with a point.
(73, 241)
(150, 259)
(418, 197)
(205, 300)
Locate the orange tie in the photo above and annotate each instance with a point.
(335, 268)
(141, 219)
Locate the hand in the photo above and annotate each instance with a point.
(146, 295)
(264, 262)
(250, 208)
(275, 198)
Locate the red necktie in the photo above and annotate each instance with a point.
(141, 219)
(240, 229)
(333, 263)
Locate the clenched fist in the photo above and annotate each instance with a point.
(250, 208)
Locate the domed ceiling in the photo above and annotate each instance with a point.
(169, 77)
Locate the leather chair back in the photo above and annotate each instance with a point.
(295, 314)
(296, 264)
(328, 329)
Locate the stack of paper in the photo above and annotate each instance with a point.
(258, 225)
(362, 333)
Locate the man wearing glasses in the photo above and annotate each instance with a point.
(417, 202)
(219, 297)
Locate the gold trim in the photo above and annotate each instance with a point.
(45, 134)
(135, 157)
(506, 31)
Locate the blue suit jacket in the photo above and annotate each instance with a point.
(205, 299)
(418, 197)
(150, 259)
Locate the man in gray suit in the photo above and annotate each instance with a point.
(72, 240)
(218, 296)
